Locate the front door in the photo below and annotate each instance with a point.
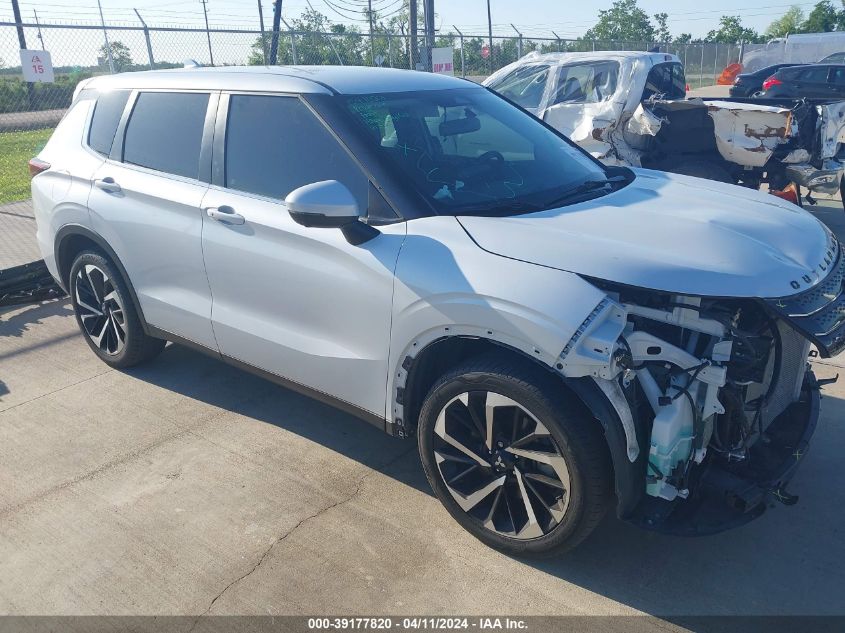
(301, 303)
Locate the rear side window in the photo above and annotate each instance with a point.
(666, 80)
(107, 113)
(276, 144)
(165, 132)
(815, 74)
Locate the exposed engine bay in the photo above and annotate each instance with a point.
(719, 395)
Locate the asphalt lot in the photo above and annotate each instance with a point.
(188, 487)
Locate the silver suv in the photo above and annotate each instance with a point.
(418, 251)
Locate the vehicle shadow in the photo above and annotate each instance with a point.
(15, 321)
(786, 563)
(209, 380)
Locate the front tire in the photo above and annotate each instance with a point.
(516, 459)
(106, 314)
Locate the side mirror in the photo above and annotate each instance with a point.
(329, 204)
(324, 204)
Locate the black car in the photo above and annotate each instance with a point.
(751, 84)
(835, 58)
(817, 81)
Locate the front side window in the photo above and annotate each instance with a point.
(107, 113)
(276, 144)
(468, 151)
(165, 130)
(524, 86)
(586, 83)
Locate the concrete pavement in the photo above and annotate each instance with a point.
(188, 487)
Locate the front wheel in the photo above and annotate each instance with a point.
(517, 460)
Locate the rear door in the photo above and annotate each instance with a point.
(811, 81)
(145, 202)
(298, 302)
(837, 82)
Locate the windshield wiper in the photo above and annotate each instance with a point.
(501, 207)
(586, 187)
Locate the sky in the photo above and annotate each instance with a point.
(567, 18)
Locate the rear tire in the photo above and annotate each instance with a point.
(106, 314)
(508, 499)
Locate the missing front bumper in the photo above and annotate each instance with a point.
(727, 495)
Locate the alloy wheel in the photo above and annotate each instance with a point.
(101, 309)
(501, 465)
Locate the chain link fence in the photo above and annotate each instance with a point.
(29, 111)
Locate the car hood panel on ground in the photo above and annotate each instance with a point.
(673, 233)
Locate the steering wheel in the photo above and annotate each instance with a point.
(492, 155)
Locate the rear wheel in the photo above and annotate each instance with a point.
(516, 460)
(106, 314)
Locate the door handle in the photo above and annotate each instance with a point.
(107, 184)
(225, 214)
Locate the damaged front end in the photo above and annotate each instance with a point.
(715, 396)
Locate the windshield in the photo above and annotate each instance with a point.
(524, 86)
(469, 151)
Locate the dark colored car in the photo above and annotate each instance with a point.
(816, 81)
(751, 84)
(835, 58)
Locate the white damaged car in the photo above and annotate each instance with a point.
(559, 336)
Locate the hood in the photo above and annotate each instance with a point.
(673, 233)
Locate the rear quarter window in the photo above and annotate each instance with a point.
(666, 80)
(165, 130)
(107, 112)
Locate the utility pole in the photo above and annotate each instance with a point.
(461, 35)
(16, 10)
(106, 38)
(263, 37)
(207, 32)
(147, 37)
(429, 32)
(38, 26)
(413, 52)
(557, 37)
(489, 38)
(274, 43)
(372, 38)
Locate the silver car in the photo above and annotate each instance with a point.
(558, 335)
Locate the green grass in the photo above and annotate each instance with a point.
(16, 148)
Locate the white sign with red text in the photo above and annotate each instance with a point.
(442, 61)
(37, 66)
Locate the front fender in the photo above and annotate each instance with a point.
(447, 286)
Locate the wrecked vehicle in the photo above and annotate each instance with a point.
(630, 108)
(418, 252)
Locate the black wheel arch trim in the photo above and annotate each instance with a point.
(71, 230)
(629, 478)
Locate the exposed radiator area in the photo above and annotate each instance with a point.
(793, 366)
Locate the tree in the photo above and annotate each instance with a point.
(661, 33)
(121, 57)
(731, 31)
(623, 21)
(823, 18)
(790, 22)
(683, 38)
